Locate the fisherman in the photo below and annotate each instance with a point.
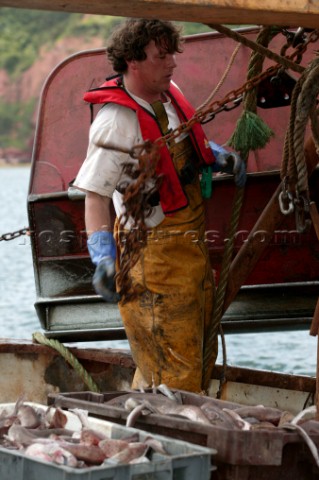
(165, 324)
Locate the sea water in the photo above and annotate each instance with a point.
(290, 352)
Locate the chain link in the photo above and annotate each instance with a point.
(12, 235)
(299, 42)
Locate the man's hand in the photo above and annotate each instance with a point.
(229, 162)
(102, 251)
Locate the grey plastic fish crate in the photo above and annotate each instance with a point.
(183, 462)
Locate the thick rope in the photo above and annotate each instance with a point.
(306, 106)
(288, 165)
(220, 292)
(258, 48)
(255, 66)
(251, 131)
(315, 129)
(303, 107)
(68, 357)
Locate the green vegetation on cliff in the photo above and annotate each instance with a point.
(16, 126)
(23, 33)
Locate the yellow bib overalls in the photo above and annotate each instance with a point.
(165, 325)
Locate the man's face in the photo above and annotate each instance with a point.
(156, 71)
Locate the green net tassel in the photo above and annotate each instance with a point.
(251, 133)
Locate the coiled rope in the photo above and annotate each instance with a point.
(303, 108)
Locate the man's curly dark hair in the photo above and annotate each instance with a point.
(129, 40)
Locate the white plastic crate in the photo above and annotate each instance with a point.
(184, 462)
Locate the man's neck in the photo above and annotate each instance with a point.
(140, 92)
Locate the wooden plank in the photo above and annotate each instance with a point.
(261, 12)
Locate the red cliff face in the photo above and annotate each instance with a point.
(33, 79)
(4, 85)
(29, 85)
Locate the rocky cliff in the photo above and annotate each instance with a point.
(29, 85)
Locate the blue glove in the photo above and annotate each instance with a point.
(229, 162)
(102, 250)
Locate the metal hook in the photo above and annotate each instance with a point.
(286, 203)
(301, 209)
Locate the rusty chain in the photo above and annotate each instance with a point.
(135, 200)
(12, 235)
(299, 42)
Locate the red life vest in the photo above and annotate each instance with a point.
(172, 196)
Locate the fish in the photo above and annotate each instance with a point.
(161, 405)
(90, 454)
(175, 397)
(238, 421)
(28, 416)
(5, 424)
(191, 412)
(220, 404)
(132, 403)
(52, 442)
(136, 411)
(82, 416)
(112, 446)
(132, 452)
(91, 437)
(261, 413)
(217, 416)
(58, 419)
(155, 445)
(306, 414)
(51, 452)
(153, 398)
(8, 417)
(20, 435)
(286, 417)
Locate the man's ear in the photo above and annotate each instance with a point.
(132, 64)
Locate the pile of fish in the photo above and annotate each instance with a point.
(42, 434)
(211, 411)
(221, 414)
